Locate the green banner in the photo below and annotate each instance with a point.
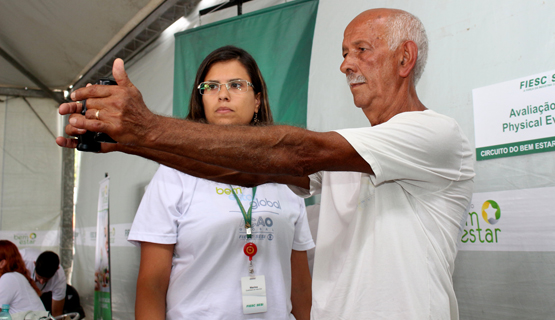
(280, 40)
(516, 149)
(102, 306)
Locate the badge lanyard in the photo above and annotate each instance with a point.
(250, 248)
(253, 287)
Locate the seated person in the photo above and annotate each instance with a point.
(72, 301)
(45, 269)
(16, 287)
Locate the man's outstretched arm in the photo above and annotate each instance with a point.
(212, 172)
(274, 150)
(196, 168)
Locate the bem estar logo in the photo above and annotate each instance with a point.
(25, 238)
(491, 212)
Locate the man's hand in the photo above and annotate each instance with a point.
(121, 111)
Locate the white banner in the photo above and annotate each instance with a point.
(118, 236)
(515, 117)
(50, 238)
(516, 220)
(102, 256)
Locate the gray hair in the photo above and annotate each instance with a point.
(404, 26)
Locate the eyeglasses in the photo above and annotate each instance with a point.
(233, 86)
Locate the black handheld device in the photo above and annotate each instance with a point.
(90, 141)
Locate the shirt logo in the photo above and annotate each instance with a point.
(227, 191)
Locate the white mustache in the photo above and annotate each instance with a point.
(353, 78)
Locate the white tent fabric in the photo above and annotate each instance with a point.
(30, 167)
(58, 40)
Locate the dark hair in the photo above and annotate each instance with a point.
(47, 264)
(14, 262)
(227, 53)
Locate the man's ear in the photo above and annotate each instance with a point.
(407, 59)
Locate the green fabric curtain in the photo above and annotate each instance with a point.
(280, 40)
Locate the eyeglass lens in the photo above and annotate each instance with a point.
(235, 86)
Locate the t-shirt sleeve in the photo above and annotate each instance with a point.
(315, 186)
(59, 289)
(303, 238)
(164, 202)
(7, 281)
(424, 147)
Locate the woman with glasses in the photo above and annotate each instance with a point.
(16, 286)
(216, 251)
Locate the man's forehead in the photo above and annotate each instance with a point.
(363, 31)
(378, 14)
(367, 20)
(373, 19)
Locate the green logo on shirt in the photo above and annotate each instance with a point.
(227, 191)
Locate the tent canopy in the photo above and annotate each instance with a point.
(70, 43)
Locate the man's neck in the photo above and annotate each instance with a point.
(401, 101)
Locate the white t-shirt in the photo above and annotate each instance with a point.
(387, 242)
(57, 284)
(203, 220)
(16, 291)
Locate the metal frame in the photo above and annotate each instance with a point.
(231, 3)
(30, 93)
(139, 38)
(31, 77)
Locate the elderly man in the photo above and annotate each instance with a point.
(393, 195)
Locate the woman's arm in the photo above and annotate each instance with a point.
(301, 285)
(153, 280)
(57, 307)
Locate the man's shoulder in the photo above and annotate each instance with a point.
(60, 275)
(422, 117)
(428, 123)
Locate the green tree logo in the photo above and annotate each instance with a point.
(491, 212)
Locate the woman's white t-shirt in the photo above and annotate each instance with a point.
(203, 220)
(16, 291)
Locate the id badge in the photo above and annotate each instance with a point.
(254, 294)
